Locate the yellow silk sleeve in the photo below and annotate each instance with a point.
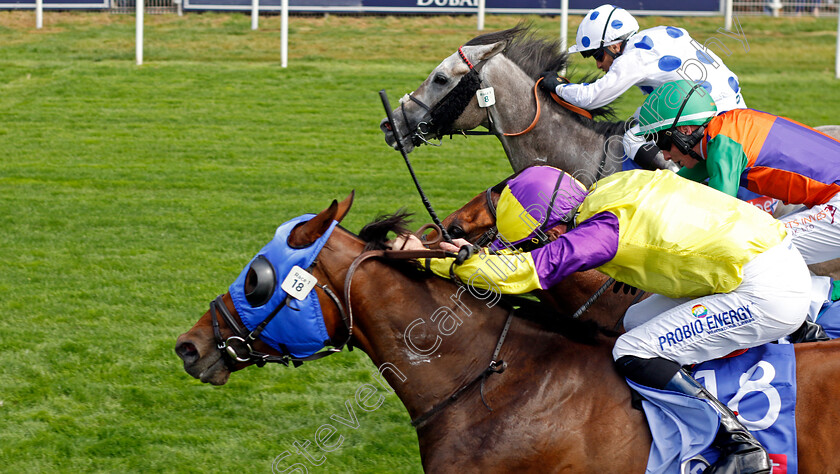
(506, 273)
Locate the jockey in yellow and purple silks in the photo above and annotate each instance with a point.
(732, 277)
(765, 153)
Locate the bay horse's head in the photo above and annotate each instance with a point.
(446, 101)
(475, 221)
(271, 313)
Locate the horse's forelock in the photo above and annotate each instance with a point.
(375, 234)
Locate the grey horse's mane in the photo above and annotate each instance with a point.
(535, 55)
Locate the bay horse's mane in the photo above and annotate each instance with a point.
(535, 55)
(375, 235)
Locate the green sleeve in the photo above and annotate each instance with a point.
(698, 173)
(725, 161)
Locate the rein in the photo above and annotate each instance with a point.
(496, 366)
(447, 110)
(569, 106)
(592, 299)
(490, 234)
(556, 98)
(536, 116)
(392, 254)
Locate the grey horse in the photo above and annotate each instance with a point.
(509, 62)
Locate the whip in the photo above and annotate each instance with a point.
(384, 96)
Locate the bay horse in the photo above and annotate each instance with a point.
(558, 405)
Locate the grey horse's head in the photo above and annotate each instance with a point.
(445, 102)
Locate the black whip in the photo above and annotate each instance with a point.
(384, 96)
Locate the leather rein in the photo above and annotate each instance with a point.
(490, 234)
(238, 348)
(424, 129)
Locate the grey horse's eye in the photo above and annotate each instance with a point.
(440, 79)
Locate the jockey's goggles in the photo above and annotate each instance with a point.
(663, 140)
(598, 53)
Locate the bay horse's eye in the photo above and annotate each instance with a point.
(259, 282)
(456, 232)
(440, 79)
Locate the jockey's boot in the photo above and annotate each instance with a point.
(808, 332)
(740, 453)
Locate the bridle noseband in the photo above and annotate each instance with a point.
(238, 348)
(447, 110)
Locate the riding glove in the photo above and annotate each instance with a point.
(550, 81)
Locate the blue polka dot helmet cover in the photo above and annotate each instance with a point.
(604, 26)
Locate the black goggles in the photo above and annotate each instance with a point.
(662, 139)
(598, 54)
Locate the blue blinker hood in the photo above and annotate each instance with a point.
(299, 327)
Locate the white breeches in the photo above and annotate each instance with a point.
(816, 231)
(771, 302)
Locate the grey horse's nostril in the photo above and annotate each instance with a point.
(187, 352)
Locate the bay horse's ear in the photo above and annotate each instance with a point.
(487, 51)
(344, 206)
(307, 233)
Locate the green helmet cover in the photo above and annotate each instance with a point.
(663, 104)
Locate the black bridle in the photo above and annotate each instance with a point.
(490, 234)
(447, 110)
(239, 348)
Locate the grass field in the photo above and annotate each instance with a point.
(131, 196)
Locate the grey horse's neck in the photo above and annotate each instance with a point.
(578, 146)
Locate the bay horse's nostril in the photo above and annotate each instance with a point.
(187, 352)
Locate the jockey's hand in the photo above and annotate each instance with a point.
(550, 81)
(407, 242)
(458, 243)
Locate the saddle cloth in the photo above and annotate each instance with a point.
(759, 386)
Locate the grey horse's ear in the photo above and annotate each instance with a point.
(487, 51)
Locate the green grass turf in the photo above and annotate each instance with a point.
(131, 196)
